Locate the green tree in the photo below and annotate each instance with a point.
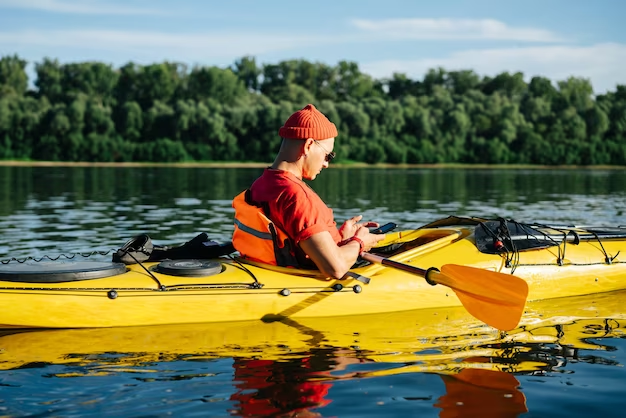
(248, 72)
(399, 85)
(434, 78)
(98, 119)
(354, 121)
(542, 87)
(159, 122)
(48, 81)
(212, 82)
(511, 85)
(128, 120)
(13, 78)
(94, 79)
(149, 84)
(351, 83)
(597, 122)
(576, 92)
(166, 150)
(460, 82)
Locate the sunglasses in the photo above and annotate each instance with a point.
(329, 155)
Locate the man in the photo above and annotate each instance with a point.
(280, 220)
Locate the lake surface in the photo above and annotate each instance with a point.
(379, 365)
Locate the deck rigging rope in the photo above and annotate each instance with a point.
(68, 256)
(505, 242)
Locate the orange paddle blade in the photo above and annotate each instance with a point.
(497, 299)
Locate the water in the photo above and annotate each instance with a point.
(404, 364)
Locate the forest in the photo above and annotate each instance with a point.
(169, 112)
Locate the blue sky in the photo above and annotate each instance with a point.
(551, 38)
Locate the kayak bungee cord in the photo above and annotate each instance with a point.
(607, 259)
(256, 284)
(561, 253)
(128, 252)
(514, 261)
(207, 286)
(114, 293)
(576, 240)
(68, 256)
(504, 242)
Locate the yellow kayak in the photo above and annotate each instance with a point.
(480, 263)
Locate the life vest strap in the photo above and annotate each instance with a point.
(252, 231)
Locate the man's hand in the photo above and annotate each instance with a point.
(349, 227)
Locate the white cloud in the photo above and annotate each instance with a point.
(603, 64)
(174, 46)
(451, 29)
(78, 7)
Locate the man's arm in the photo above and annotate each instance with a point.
(333, 260)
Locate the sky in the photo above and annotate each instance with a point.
(550, 38)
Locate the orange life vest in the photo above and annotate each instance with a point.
(257, 238)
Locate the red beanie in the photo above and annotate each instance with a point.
(308, 123)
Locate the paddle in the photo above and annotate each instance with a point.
(497, 299)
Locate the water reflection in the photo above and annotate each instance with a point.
(469, 391)
(303, 386)
(294, 386)
(302, 366)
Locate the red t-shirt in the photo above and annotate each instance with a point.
(294, 206)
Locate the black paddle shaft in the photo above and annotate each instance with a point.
(373, 258)
(405, 267)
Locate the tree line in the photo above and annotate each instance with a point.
(168, 112)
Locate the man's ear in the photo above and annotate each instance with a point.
(308, 144)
